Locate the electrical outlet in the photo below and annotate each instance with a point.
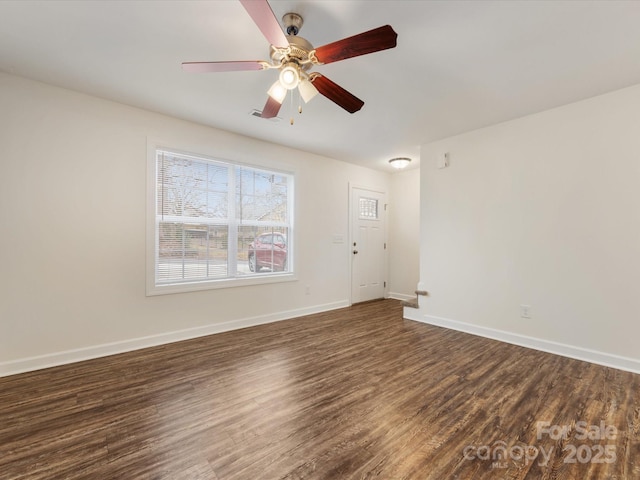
(307, 290)
(525, 311)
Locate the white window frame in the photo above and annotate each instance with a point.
(153, 288)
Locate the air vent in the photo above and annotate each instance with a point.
(258, 114)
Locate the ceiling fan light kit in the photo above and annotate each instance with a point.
(294, 56)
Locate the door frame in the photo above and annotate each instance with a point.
(385, 255)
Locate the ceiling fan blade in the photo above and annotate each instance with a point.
(204, 67)
(336, 93)
(271, 108)
(262, 15)
(380, 38)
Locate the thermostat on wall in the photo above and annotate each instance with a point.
(443, 160)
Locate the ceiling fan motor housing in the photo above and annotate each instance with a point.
(297, 52)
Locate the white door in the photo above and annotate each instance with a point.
(367, 245)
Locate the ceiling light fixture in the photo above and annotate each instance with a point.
(400, 162)
(289, 76)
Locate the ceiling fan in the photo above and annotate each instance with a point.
(294, 56)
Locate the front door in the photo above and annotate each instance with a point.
(367, 245)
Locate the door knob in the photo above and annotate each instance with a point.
(355, 252)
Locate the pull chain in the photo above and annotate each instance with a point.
(291, 108)
(291, 105)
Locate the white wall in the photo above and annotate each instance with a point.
(542, 211)
(404, 234)
(72, 242)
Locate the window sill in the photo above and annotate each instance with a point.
(153, 290)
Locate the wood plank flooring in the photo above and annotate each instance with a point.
(357, 393)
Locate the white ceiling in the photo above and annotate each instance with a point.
(458, 66)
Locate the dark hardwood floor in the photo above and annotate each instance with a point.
(357, 393)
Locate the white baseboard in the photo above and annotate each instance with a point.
(401, 296)
(70, 356)
(571, 351)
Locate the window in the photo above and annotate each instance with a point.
(368, 208)
(217, 223)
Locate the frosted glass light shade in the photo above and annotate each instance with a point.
(307, 90)
(277, 92)
(289, 77)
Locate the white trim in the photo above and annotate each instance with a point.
(222, 283)
(70, 356)
(401, 296)
(571, 351)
